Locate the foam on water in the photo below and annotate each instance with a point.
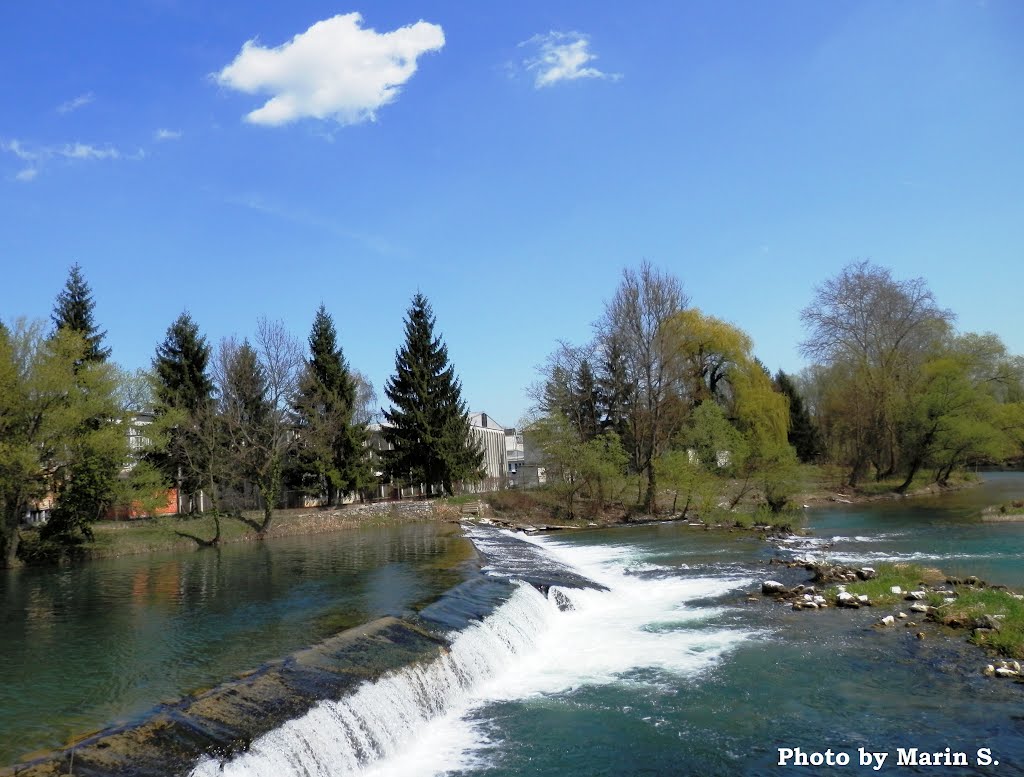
(423, 720)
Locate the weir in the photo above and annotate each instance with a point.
(349, 700)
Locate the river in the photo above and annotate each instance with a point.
(661, 668)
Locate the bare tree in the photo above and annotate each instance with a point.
(257, 386)
(875, 332)
(635, 324)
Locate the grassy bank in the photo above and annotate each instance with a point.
(971, 605)
(152, 535)
(909, 577)
(974, 603)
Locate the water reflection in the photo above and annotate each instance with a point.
(106, 641)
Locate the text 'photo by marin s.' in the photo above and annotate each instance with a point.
(901, 756)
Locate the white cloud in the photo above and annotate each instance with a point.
(334, 70)
(85, 151)
(562, 56)
(166, 134)
(74, 104)
(37, 156)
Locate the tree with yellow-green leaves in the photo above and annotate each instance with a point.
(51, 395)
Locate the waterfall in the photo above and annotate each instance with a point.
(633, 621)
(341, 737)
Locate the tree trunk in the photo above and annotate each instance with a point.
(650, 497)
(912, 472)
(10, 542)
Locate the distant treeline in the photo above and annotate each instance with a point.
(247, 419)
(672, 400)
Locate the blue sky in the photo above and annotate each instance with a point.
(508, 161)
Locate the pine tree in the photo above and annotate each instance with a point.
(183, 393)
(73, 310)
(803, 433)
(428, 425)
(331, 454)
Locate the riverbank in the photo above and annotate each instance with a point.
(531, 510)
(114, 539)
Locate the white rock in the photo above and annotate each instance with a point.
(902, 615)
(772, 587)
(989, 671)
(949, 599)
(888, 620)
(863, 599)
(1004, 672)
(917, 595)
(843, 596)
(895, 590)
(918, 607)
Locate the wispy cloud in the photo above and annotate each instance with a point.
(562, 56)
(334, 70)
(260, 204)
(36, 156)
(76, 102)
(166, 134)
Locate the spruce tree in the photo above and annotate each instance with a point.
(331, 453)
(85, 478)
(73, 310)
(803, 432)
(183, 393)
(428, 425)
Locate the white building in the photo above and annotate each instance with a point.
(488, 434)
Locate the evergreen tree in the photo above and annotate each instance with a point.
(331, 454)
(183, 393)
(428, 425)
(86, 476)
(73, 310)
(803, 433)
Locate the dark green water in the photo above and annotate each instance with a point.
(105, 641)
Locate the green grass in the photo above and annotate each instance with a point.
(151, 535)
(1009, 508)
(909, 577)
(973, 603)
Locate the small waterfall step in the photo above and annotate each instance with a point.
(510, 557)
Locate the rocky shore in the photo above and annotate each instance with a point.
(948, 605)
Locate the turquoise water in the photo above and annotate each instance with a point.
(673, 672)
(662, 668)
(944, 532)
(103, 642)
